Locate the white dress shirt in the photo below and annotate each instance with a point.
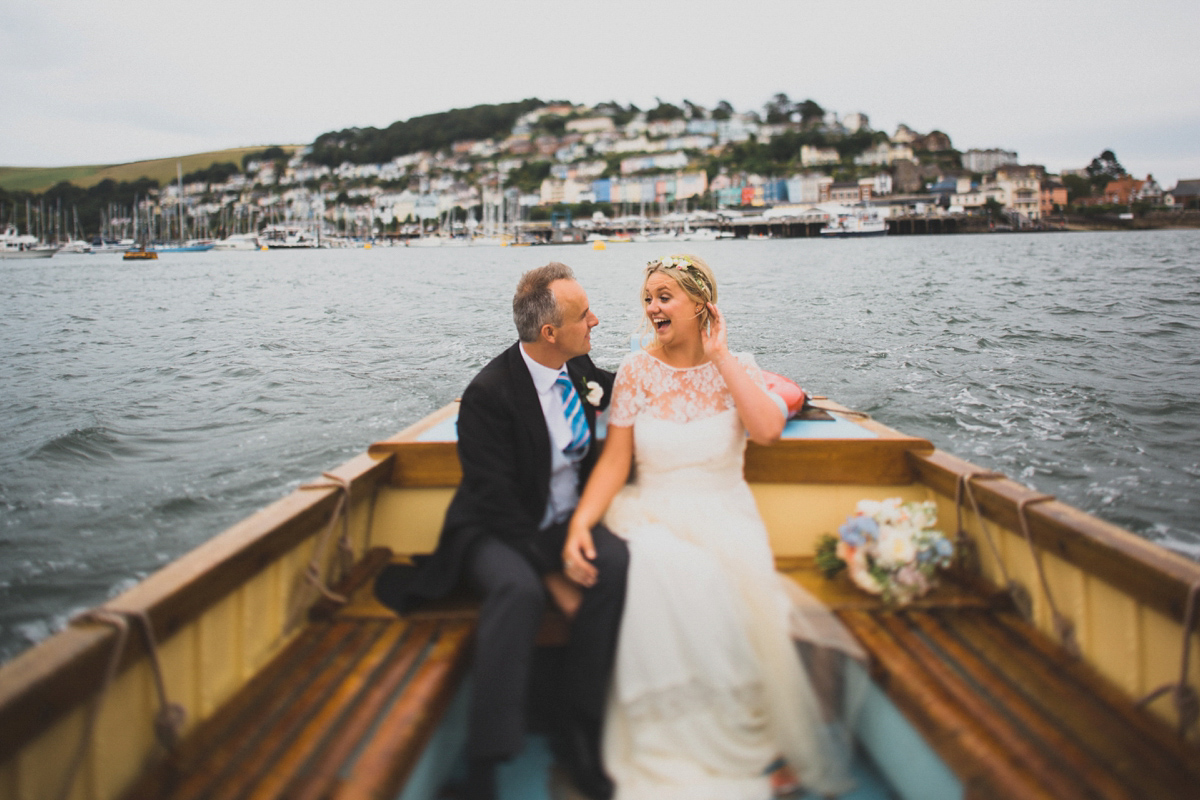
(564, 471)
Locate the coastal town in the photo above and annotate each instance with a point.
(564, 172)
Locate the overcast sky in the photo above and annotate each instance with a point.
(109, 81)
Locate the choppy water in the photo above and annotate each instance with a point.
(146, 407)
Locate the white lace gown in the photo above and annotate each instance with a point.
(708, 689)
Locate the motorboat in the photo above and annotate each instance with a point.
(18, 245)
(859, 222)
(284, 237)
(76, 246)
(238, 241)
(190, 246)
(102, 244)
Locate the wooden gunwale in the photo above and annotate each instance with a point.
(44, 683)
(1146, 571)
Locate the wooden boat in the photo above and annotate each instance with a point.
(290, 692)
(140, 255)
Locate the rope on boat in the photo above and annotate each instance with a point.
(341, 510)
(1064, 628)
(963, 487)
(1183, 695)
(171, 717)
(834, 409)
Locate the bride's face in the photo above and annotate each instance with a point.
(673, 314)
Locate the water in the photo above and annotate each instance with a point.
(148, 406)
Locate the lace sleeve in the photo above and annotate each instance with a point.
(751, 366)
(625, 406)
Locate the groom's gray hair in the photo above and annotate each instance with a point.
(534, 304)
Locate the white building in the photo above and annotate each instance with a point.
(677, 160)
(976, 160)
(853, 123)
(811, 156)
(883, 154)
(667, 127)
(879, 185)
(591, 125)
(806, 187)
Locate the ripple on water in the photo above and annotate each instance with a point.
(94, 443)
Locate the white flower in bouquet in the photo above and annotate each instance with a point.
(896, 546)
(889, 547)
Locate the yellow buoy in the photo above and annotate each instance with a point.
(599, 245)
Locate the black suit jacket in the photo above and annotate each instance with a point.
(504, 450)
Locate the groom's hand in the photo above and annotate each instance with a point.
(578, 554)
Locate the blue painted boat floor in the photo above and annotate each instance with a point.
(527, 777)
(837, 428)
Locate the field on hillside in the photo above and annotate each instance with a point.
(38, 179)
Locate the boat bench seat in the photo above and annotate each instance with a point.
(344, 711)
(1007, 710)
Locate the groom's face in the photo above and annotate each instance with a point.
(574, 336)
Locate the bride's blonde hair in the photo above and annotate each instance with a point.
(693, 275)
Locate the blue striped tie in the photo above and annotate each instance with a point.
(573, 410)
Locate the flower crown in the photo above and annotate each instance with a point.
(685, 265)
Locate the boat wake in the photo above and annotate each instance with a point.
(94, 443)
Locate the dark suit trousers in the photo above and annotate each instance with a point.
(513, 600)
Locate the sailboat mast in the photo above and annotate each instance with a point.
(179, 205)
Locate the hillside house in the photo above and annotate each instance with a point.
(1054, 197)
(1186, 194)
(985, 161)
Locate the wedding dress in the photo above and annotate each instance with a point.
(708, 689)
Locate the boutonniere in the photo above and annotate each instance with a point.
(595, 393)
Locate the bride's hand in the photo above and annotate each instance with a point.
(713, 339)
(578, 554)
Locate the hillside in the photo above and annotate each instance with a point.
(163, 170)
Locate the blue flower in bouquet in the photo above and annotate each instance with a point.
(858, 530)
(890, 548)
(943, 548)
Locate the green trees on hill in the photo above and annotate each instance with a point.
(529, 176)
(270, 154)
(428, 132)
(780, 109)
(664, 112)
(213, 173)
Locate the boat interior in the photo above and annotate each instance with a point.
(1055, 660)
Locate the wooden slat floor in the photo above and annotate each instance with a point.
(1007, 709)
(343, 712)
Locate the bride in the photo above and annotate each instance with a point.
(708, 691)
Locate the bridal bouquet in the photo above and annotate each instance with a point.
(889, 548)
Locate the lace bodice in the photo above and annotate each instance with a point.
(645, 385)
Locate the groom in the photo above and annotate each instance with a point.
(526, 445)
